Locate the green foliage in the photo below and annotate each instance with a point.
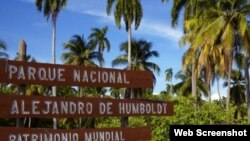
(108, 122)
(128, 10)
(5, 91)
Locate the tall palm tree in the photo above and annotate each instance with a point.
(130, 11)
(3, 55)
(98, 38)
(141, 54)
(52, 8)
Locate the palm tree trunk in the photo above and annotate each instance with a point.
(193, 80)
(247, 86)
(80, 95)
(207, 79)
(228, 87)
(54, 62)
(129, 47)
(127, 95)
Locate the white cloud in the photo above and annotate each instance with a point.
(215, 96)
(30, 1)
(146, 27)
(160, 30)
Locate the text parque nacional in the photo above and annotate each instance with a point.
(57, 74)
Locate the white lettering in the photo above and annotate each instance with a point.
(14, 108)
(51, 74)
(76, 75)
(105, 77)
(42, 74)
(112, 77)
(119, 78)
(12, 137)
(125, 79)
(12, 69)
(34, 107)
(47, 109)
(60, 74)
(92, 73)
(20, 74)
(23, 108)
(54, 109)
(85, 77)
(31, 73)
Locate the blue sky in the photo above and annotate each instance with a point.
(21, 20)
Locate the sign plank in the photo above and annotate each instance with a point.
(12, 106)
(72, 75)
(108, 134)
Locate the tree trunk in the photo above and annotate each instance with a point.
(21, 87)
(247, 86)
(54, 62)
(207, 80)
(80, 95)
(124, 120)
(129, 46)
(218, 88)
(228, 87)
(193, 80)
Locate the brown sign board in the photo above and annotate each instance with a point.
(105, 134)
(13, 106)
(71, 75)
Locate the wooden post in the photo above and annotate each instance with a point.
(21, 87)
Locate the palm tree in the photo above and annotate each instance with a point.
(184, 87)
(3, 46)
(141, 54)
(130, 11)
(98, 39)
(169, 76)
(237, 92)
(51, 8)
(80, 53)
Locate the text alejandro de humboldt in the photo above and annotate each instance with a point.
(49, 107)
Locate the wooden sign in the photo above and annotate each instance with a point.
(63, 107)
(109, 134)
(54, 75)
